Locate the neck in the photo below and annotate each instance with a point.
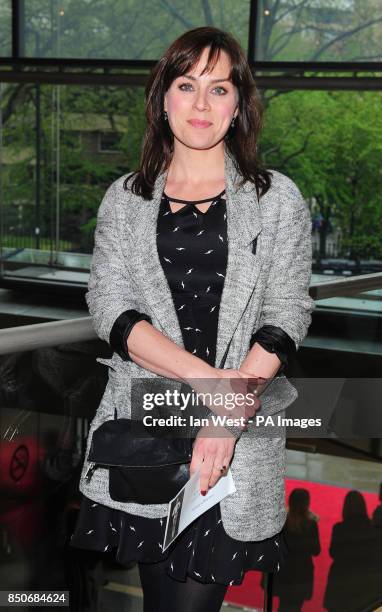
(196, 165)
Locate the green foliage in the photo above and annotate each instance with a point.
(328, 142)
(29, 242)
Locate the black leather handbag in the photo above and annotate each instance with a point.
(145, 468)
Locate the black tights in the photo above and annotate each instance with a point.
(161, 593)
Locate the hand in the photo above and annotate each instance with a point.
(228, 384)
(211, 454)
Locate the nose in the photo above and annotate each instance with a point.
(200, 101)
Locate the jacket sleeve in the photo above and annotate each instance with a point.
(287, 303)
(274, 340)
(111, 290)
(121, 330)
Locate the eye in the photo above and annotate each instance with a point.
(184, 84)
(222, 90)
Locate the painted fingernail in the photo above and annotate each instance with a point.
(203, 492)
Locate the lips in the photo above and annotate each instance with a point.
(199, 123)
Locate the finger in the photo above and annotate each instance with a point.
(215, 475)
(226, 463)
(217, 469)
(239, 385)
(205, 472)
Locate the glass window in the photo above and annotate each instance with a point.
(122, 30)
(326, 143)
(319, 30)
(54, 178)
(5, 28)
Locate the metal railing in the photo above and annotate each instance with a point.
(30, 337)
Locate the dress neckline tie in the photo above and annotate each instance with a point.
(193, 202)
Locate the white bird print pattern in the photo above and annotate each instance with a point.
(196, 283)
(193, 252)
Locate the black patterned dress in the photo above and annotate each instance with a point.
(192, 247)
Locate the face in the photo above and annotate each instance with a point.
(200, 110)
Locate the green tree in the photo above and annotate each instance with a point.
(331, 148)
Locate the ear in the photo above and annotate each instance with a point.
(236, 112)
(237, 103)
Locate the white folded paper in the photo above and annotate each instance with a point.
(188, 504)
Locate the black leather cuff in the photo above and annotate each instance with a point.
(121, 329)
(274, 340)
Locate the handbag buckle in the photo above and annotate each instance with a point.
(90, 473)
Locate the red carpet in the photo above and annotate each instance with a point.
(327, 502)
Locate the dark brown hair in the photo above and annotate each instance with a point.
(354, 506)
(298, 514)
(241, 140)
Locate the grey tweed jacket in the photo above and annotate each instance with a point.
(268, 287)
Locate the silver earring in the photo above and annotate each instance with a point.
(165, 115)
(233, 122)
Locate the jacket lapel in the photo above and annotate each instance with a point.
(243, 226)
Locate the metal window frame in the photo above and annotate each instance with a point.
(293, 74)
(281, 82)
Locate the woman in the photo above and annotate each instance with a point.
(294, 583)
(188, 265)
(354, 576)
